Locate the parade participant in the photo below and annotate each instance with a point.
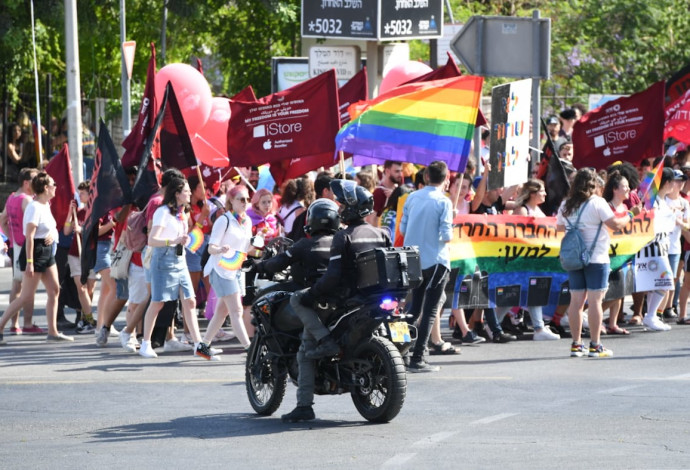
(590, 283)
(199, 218)
(37, 257)
(427, 223)
(261, 215)
(11, 223)
(392, 178)
(169, 275)
(339, 280)
(229, 243)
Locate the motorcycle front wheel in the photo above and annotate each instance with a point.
(265, 384)
(380, 380)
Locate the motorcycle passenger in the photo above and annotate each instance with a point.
(308, 258)
(339, 280)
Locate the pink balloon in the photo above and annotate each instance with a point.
(211, 141)
(401, 73)
(191, 90)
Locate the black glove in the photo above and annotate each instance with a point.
(252, 265)
(307, 299)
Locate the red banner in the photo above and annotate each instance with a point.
(60, 169)
(136, 140)
(629, 128)
(302, 120)
(677, 112)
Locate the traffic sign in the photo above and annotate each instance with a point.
(505, 46)
(346, 60)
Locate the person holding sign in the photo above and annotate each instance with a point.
(228, 246)
(590, 283)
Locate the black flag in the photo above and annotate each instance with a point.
(109, 190)
(556, 181)
(176, 145)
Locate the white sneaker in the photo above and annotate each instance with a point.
(585, 320)
(215, 351)
(653, 323)
(146, 350)
(128, 341)
(222, 336)
(113, 332)
(545, 334)
(174, 345)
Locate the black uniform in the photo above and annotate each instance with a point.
(308, 259)
(341, 275)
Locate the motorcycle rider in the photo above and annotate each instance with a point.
(308, 258)
(336, 284)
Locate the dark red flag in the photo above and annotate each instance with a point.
(60, 169)
(246, 94)
(136, 140)
(356, 89)
(629, 128)
(176, 149)
(677, 112)
(302, 120)
(109, 190)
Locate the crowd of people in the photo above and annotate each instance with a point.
(169, 281)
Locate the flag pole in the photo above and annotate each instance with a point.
(201, 180)
(341, 154)
(454, 201)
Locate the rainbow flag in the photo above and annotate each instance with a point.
(196, 239)
(232, 262)
(650, 184)
(416, 123)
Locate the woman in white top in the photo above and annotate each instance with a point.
(37, 258)
(169, 273)
(590, 283)
(297, 194)
(228, 246)
(681, 210)
(532, 194)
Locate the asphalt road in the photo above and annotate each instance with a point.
(520, 405)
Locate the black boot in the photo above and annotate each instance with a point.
(327, 347)
(301, 413)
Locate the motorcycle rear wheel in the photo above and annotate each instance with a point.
(265, 385)
(382, 380)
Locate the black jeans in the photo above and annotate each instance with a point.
(425, 301)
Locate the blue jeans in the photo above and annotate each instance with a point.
(425, 302)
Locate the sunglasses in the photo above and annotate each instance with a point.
(243, 199)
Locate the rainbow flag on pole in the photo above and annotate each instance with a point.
(416, 123)
(650, 184)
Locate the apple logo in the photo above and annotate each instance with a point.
(607, 152)
(267, 144)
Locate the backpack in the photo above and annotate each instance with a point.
(574, 254)
(135, 236)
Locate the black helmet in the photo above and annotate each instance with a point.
(322, 216)
(357, 202)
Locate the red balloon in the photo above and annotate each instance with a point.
(191, 90)
(401, 73)
(211, 141)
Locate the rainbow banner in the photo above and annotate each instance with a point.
(232, 262)
(416, 123)
(516, 257)
(650, 184)
(196, 239)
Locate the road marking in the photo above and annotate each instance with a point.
(494, 418)
(434, 439)
(397, 460)
(618, 389)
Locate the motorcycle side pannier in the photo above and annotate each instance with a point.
(383, 270)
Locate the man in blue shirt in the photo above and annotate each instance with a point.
(427, 223)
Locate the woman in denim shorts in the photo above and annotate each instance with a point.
(169, 274)
(590, 283)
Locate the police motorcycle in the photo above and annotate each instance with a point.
(370, 327)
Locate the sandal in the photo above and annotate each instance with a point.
(635, 321)
(683, 321)
(617, 331)
(443, 348)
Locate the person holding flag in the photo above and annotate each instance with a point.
(169, 275)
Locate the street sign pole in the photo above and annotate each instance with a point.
(536, 95)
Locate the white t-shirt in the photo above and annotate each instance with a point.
(172, 226)
(597, 211)
(681, 210)
(288, 214)
(39, 214)
(228, 231)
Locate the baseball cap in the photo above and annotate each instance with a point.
(679, 175)
(552, 120)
